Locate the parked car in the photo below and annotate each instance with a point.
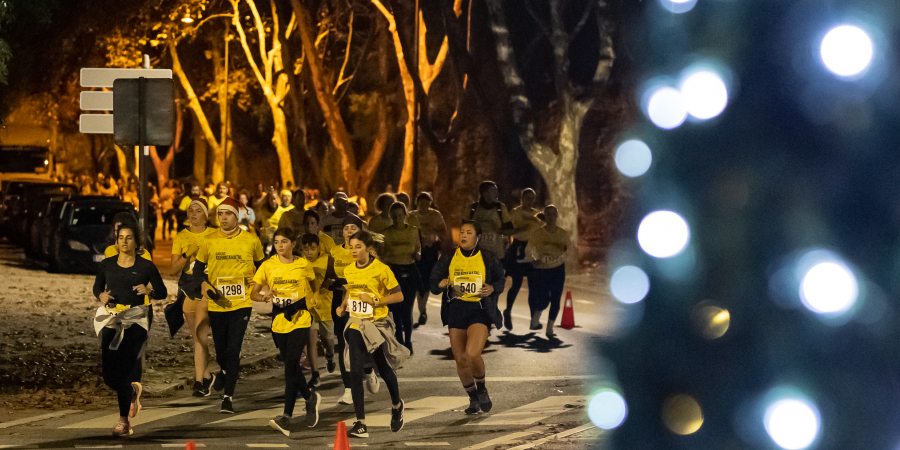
(45, 227)
(27, 202)
(84, 231)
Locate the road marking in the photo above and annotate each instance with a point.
(147, 415)
(496, 379)
(52, 415)
(584, 302)
(416, 410)
(99, 446)
(506, 440)
(561, 435)
(182, 445)
(423, 444)
(268, 445)
(533, 412)
(355, 445)
(261, 417)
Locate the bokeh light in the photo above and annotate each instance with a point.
(712, 321)
(629, 284)
(792, 423)
(829, 288)
(607, 409)
(666, 108)
(682, 415)
(633, 158)
(663, 234)
(678, 6)
(846, 50)
(704, 94)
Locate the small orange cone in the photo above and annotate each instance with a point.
(190, 446)
(568, 319)
(340, 440)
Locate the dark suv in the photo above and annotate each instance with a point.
(83, 232)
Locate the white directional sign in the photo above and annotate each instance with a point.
(96, 100)
(104, 78)
(96, 123)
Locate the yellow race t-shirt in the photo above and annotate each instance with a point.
(289, 281)
(320, 266)
(377, 280)
(342, 259)
(113, 251)
(467, 275)
(276, 216)
(400, 245)
(229, 262)
(184, 240)
(326, 243)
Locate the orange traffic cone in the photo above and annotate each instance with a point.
(340, 440)
(190, 446)
(568, 319)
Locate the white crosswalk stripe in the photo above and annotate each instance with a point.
(533, 412)
(146, 415)
(52, 415)
(416, 410)
(261, 417)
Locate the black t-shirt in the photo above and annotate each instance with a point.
(120, 281)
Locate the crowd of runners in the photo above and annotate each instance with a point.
(330, 276)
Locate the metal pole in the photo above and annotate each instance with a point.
(415, 161)
(142, 137)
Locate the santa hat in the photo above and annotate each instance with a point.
(201, 202)
(231, 205)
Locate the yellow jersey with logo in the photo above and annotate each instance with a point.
(113, 251)
(546, 248)
(289, 282)
(320, 266)
(342, 259)
(377, 280)
(326, 243)
(185, 239)
(491, 221)
(400, 245)
(230, 265)
(467, 275)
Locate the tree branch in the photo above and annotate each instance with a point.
(545, 30)
(584, 17)
(341, 80)
(245, 46)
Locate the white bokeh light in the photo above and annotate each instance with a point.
(666, 108)
(705, 95)
(663, 234)
(629, 284)
(633, 158)
(829, 288)
(846, 50)
(607, 409)
(792, 423)
(678, 6)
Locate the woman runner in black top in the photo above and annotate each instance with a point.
(121, 322)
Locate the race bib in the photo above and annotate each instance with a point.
(285, 299)
(359, 308)
(489, 238)
(468, 286)
(232, 288)
(552, 259)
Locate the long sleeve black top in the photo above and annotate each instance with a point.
(120, 281)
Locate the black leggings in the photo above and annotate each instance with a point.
(228, 330)
(339, 324)
(426, 264)
(358, 358)
(291, 346)
(515, 270)
(121, 366)
(410, 282)
(545, 288)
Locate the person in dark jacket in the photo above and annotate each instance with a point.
(471, 281)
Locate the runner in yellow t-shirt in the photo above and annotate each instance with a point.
(323, 266)
(548, 248)
(311, 226)
(231, 256)
(284, 280)
(351, 224)
(371, 286)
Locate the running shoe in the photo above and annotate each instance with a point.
(474, 407)
(423, 318)
(358, 430)
(484, 400)
(208, 383)
(135, 400)
(535, 326)
(122, 429)
(330, 364)
(282, 424)
(347, 398)
(314, 379)
(397, 418)
(227, 407)
(312, 409)
(198, 389)
(507, 319)
(372, 383)
(218, 382)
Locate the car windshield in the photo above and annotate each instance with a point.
(96, 214)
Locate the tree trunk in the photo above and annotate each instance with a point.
(202, 124)
(280, 139)
(200, 150)
(123, 162)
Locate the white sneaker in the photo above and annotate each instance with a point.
(347, 398)
(372, 383)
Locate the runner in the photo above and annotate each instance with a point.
(402, 248)
(221, 194)
(293, 218)
(524, 217)
(492, 216)
(121, 284)
(284, 280)
(196, 310)
(311, 226)
(370, 288)
(380, 222)
(433, 231)
(195, 193)
(286, 205)
(343, 259)
(262, 225)
(471, 281)
(548, 248)
(332, 223)
(231, 256)
(112, 249)
(323, 325)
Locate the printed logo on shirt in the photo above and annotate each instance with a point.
(220, 256)
(279, 280)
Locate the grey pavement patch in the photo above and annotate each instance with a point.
(497, 379)
(52, 415)
(559, 435)
(213, 367)
(506, 439)
(425, 444)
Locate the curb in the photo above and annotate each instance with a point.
(181, 383)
